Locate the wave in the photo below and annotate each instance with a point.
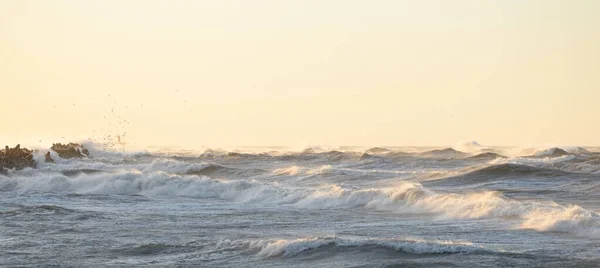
(152, 184)
(76, 167)
(78, 172)
(414, 198)
(444, 153)
(403, 197)
(299, 170)
(486, 156)
(246, 155)
(576, 150)
(153, 249)
(512, 170)
(293, 247)
(338, 155)
(551, 152)
(212, 153)
(346, 174)
(206, 169)
(528, 178)
(582, 165)
(326, 156)
(378, 150)
(179, 167)
(37, 209)
(473, 147)
(366, 156)
(312, 150)
(567, 163)
(572, 219)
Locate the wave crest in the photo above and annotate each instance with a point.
(292, 247)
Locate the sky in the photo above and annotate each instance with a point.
(331, 72)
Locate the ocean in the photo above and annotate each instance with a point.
(314, 207)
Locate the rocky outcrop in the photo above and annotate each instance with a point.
(71, 150)
(15, 158)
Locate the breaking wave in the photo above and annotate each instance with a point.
(552, 152)
(404, 197)
(293, 247)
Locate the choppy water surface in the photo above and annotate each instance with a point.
(271, 207)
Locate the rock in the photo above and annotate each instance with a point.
(71, 150)
(15, 158)
(48, 158)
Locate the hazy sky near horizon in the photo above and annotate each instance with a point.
(336, 72)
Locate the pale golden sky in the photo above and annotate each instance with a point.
(337, 72)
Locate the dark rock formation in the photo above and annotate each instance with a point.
(71, 150)
(48, 158)
(15, 158)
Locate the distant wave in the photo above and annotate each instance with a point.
(293, 247)
(378, 150)
(338, 155)
(486, 156)
(347, 174)
(207, 169)
(511, 170)
(324, 156)
(505, 172)
(472, 147)
(246, 155)
(576, 150)
(152, 249)
(465, 149)
(568, 163)
(299, 170)
(77, 172)
(444, 153)
(320, 154)
(366, 156)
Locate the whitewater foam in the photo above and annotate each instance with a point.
(403, 197)
(571, 219)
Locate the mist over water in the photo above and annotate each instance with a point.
(466, 206)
